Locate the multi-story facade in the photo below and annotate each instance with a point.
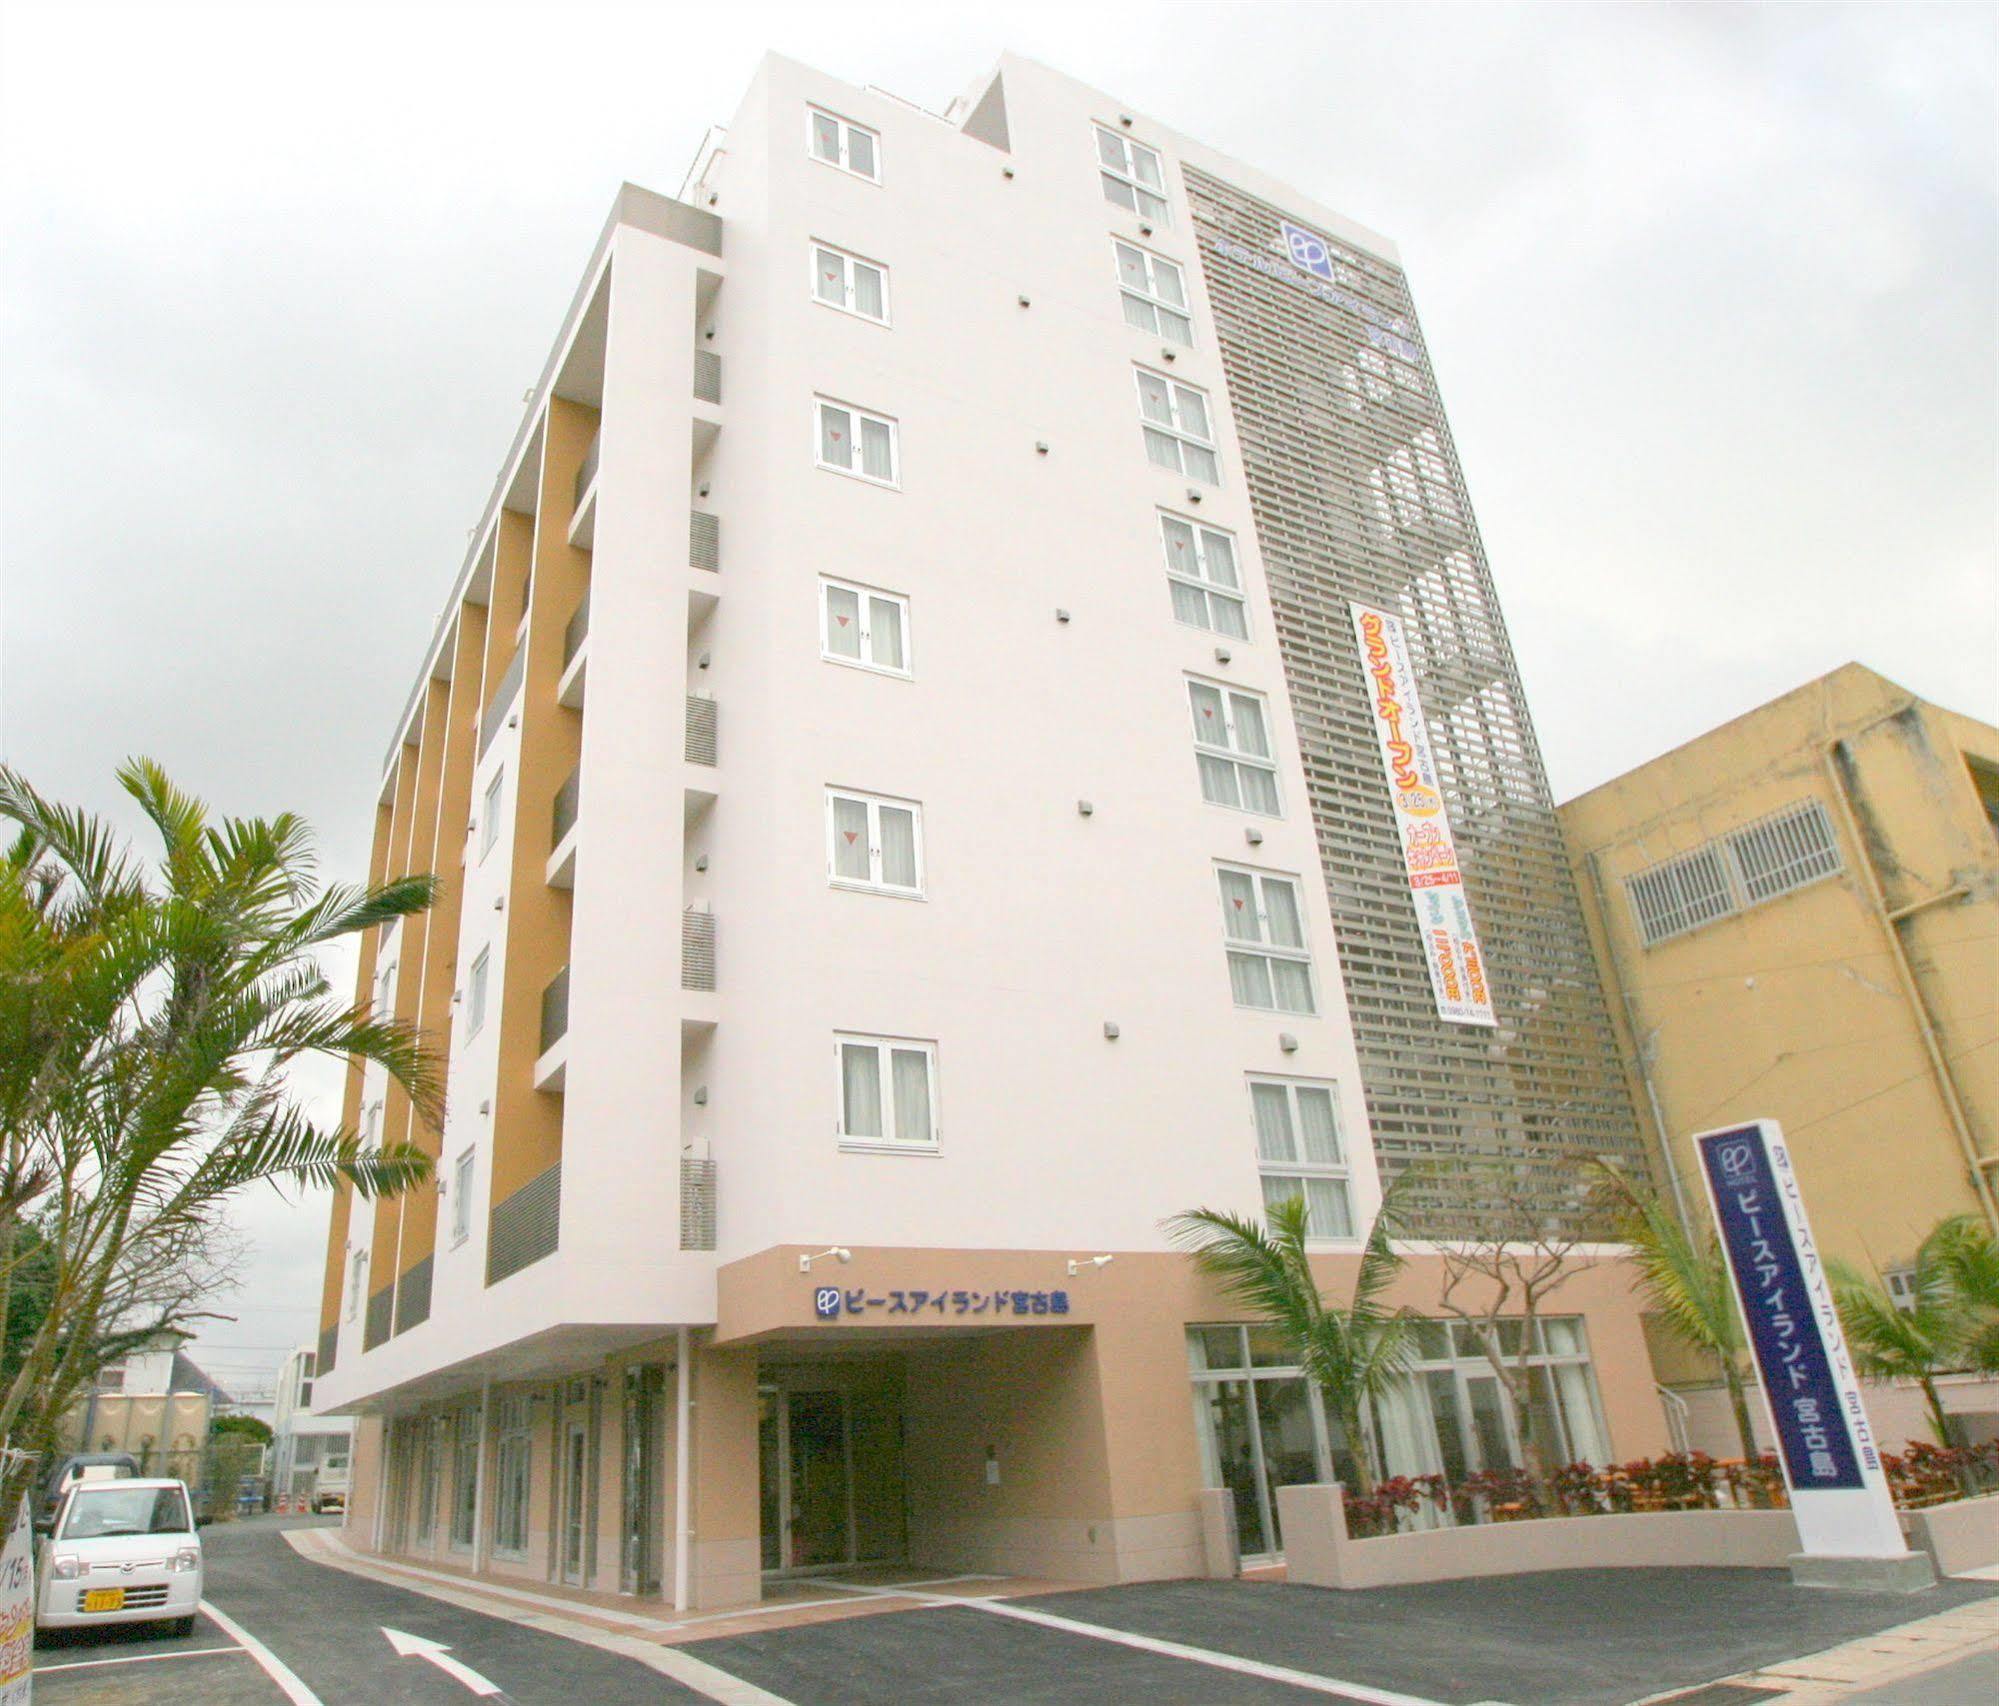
(911, 819)
(311, 1454)
(1798, 915)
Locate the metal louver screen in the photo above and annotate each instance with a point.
(1773, 856)
(707, 376)
(697, 1203)
(701, 730)
(381, 1311)
(697, 949)
(1356, 495)
(413, 1297)
(704, 541)
(1680, 895)
(1785, 851)
(525, 1226)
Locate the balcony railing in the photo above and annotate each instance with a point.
(562, 815)
(329, 1342)
(707, 376)
(577, 631)
(697, 1203)
(704, 541)
(525, 1226)
(587, 471)
(697, 949)
(555, 1010)
(503, 698)
(700, 730)
(413, 1297)
(381, 1312)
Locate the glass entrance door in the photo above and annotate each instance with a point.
(575, 1466)
(805, 1460)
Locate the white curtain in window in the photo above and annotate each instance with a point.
(877, 460)
(1201, 464)
(1249, 980)
(1110, 150)
(885, 632)
(1250, 735)
(843, 622)
(1280, 910)
(1259, 788)
(868, 297)
(826, 137)
(1175, 326)
(1210, 728)
(1162, 450)
(1228, 616)
(1572, 1391)
(1219, 550)
(1140, 313)
(1153, 400)
(861, 152)
(1117, 190)
(1145, 168)
(1273, 1122)
(829, 276)
(1239, 922)
(850, 839)
(836, 436)
(1131, 267)
(1331, 1214)
(1292, 980)
(860, 1090)
(1193, 411)
(1190, 604)
(1218, 780)
(1181, 556)
(1318, 1124)
(898, 846)
(1166, 284)
(911, 1070)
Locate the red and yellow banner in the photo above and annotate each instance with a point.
(1436, 886)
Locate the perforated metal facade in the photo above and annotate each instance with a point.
(1357, 495)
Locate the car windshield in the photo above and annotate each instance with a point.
(98, 1511)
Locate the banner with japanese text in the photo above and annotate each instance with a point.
(17, 1614)
(1839, 1490)
(1436, 885)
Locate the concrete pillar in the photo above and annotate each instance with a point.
(1313, 1517)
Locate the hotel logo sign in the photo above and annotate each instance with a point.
(1451, 949)
(1309, 251)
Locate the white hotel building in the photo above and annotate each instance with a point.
(899, 767)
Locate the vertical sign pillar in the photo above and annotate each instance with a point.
(1847, 1527)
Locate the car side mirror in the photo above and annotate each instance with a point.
(45, 1525)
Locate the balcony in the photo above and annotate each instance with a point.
(701, 730)
(502, 701)
(552, 1067)
(697, 949)
(583, 518)
(575, 655)
(562, 815)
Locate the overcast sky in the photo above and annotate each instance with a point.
(1710, 291)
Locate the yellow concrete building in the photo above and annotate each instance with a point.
(1797, 917)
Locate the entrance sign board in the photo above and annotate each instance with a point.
(1839, 1491)
(17, 1614)
(1430, 857)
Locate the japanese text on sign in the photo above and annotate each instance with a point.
(830, 1302)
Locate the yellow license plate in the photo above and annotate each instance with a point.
(103, 1599)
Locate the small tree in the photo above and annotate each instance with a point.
(1350, 1351)
(1967, 1256)
(252, 1428)
(1513, 1246)
(148, 1023)
(1685, 1279)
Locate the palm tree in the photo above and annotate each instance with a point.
(1685, 1279)
(1950, 1323)
(148, 1023)
(1351, 1352)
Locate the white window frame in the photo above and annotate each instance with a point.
(1201, 578)
(888, 1143)
(866, 661)
(463, 1171)
(848, 261)
(1240, 758)
(489, 811)
(476, 981)
(513, 1448)
(357, 1282)
(847, 128)
(1340, 1171)
(857, 415)
(1261, 946)
(875, 884)
(1127, 175)
(385, 991)
(1174, 432)
(1150, 296)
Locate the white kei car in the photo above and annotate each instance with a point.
(120, 1552)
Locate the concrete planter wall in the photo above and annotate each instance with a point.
(1320, 1553)
(1958, 1537)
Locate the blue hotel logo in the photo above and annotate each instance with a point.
(826, 1302)
(1309, 252)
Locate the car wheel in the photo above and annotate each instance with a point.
(180, 1627)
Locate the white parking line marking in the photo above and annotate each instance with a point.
(142, 1659)
(273, 1666)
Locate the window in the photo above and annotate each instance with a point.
(856, 443)
(1202, 575)
(845, 281)
(1985, 783)
(888, 1096)
(371, 1127)
(1132, 177)
(510, 1478)
(1178, 433)
(385, 991)
(1232, 748)
(111, 1377)
(1901, 1284)
(489, 813)
(841, 142)
(1265, 927)
(1155, 293)
(874, 843)
(464, 1476)
(357, 1280)
(461, 1198)
(859, 625)
(1785, 851)
(475, 994)
(1298, 1151)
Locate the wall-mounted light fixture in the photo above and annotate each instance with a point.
(1287, 1042)
(839, 1252)
(1077, 1265)
(701, 1096)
